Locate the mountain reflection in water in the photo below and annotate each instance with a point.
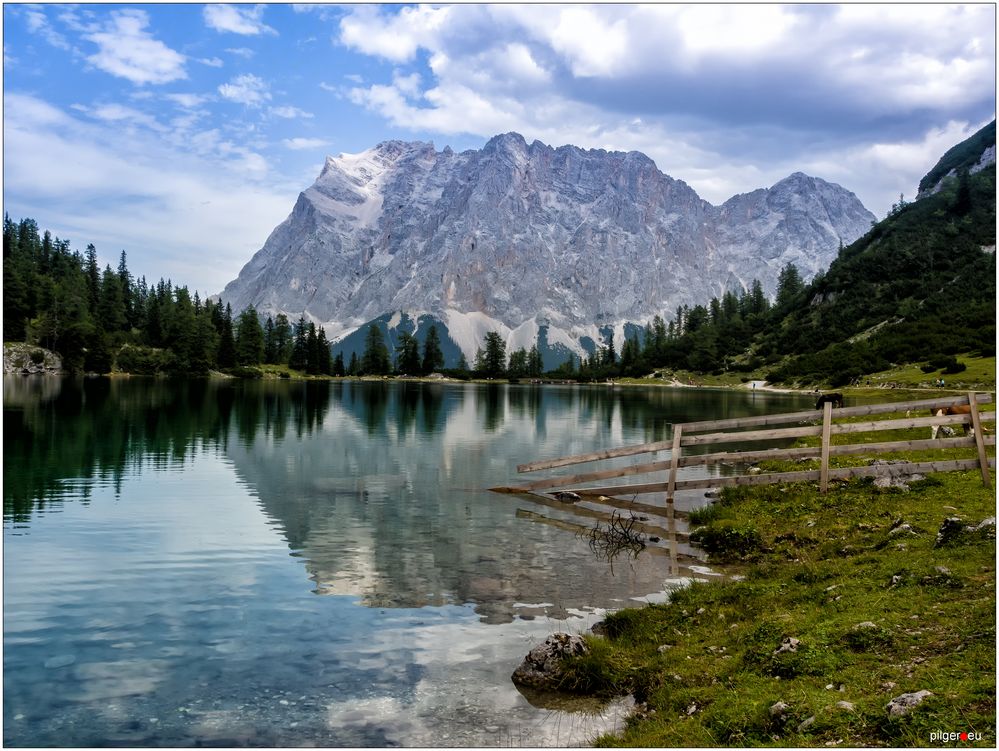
(378, 487)
(185, 560)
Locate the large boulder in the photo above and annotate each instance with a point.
(27, 359)
(542, 668)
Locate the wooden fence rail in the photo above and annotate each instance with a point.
(824, 451)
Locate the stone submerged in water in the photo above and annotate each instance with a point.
(566, 496)
(542, 668)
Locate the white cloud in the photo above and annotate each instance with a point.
(237, 19)
(728, 98)
(119, 113)
(591, 44)
(304, 144)
(246, 89)
(127, 50)
(211, 62)
(290, 113)
(168, 203)
(187, 101)
(38, 23)
(244, 52)
(396, 36)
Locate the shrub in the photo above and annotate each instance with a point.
(141, 360)
(37, 356)
(726, 539)
(245, 371)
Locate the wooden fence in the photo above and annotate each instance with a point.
(733, 431)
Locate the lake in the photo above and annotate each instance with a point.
(311, 563)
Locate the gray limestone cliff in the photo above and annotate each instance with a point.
(515, 232)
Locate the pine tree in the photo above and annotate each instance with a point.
(325, 357)
(611, 354)
(111, 315)
(494, 357)
(249, 338)
(789, 286)
(517, 366)
(300, 348)
(127, 290)
(93, 278)
(282, 338)
(312, 350)
(433, 357)
(355, 367)
(270, 345)
(535, 364)
(375, 360)
(408, 355)
(226, 356)
(338, 369)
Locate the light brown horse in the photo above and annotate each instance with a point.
(956, 409)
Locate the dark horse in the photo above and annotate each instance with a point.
(834, 399)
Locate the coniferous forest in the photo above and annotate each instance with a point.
(919, 286)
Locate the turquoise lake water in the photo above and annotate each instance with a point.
(297, 564)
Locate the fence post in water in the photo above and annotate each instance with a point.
(976, 424)
(826, 434)
(674, 465)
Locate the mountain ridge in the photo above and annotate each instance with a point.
(563, 237)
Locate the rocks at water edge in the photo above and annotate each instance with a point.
(28, 359)
(542, 668)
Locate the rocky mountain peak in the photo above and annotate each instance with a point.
(517, 235)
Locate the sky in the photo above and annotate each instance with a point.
(183, 134)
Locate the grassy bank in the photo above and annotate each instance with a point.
(856, 576)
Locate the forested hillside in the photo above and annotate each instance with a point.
(60, 299)
(920, 284)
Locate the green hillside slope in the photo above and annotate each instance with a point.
(919, 285)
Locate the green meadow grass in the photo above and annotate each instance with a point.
(705, 667)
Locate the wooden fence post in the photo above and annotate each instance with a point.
(976, 424)
(826, 435)
(674, 465)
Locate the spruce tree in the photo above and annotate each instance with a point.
(312, 350)
(93, 278)
(517, 366)
(300, 348)
(270, 345)
(226, 356)
(535, 364)
(325, 356)
(111, 315)
(375, 360)
(494, 357)
(408, 355)
(249, 338)
(433, 357)
(282, 338)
